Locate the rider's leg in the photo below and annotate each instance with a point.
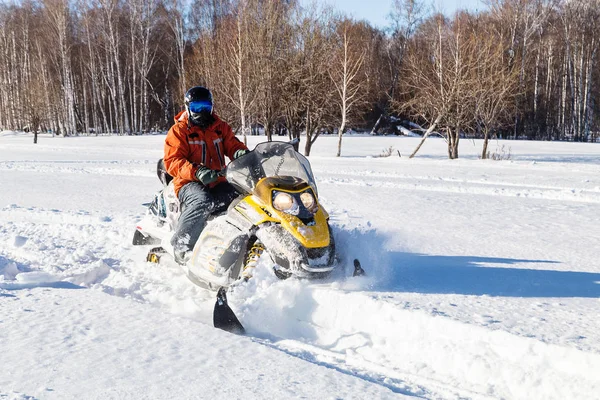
(196, 204)
(223, 194)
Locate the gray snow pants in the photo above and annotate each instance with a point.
(198, 202)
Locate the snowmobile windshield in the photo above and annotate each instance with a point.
(269, 159)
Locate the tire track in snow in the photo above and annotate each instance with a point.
(474, 187)
(352, 326)
(96, 167)
(75, 246)
(362, 334)
(403, 383)
(95, 251)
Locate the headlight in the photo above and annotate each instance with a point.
(308, 200)
(285, 202)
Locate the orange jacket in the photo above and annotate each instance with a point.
(187, 147)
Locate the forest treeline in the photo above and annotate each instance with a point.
(519, 69)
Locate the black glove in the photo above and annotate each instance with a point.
(206, 176)
(240, 153)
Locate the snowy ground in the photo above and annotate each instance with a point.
(484, 280)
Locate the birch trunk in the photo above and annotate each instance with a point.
(240, 78)
(346, 81)
(426, 135)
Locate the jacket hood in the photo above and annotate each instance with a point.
(182, 116)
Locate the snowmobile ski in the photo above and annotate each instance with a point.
(224, 317)
(358, 270)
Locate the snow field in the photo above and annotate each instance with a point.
(86, 344)
(483, 280)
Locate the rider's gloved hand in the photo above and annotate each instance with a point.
(240, 153)
(206, 175)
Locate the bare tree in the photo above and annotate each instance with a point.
(307, 91)
(405, 18)
(524, 19)
(58, 19)
(497, 86)
(270, 39)
(238, 58)
(143, 54)
(319, 93)
(345, 72)
(178, 27)
(580, 22)
(427, 95)
(440, 84)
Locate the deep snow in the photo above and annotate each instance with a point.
(484, 279)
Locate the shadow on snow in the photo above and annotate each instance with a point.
(465, 275)
(410, 272)
(33, 285)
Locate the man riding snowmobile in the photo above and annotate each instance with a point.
(217, 228)
(195, 150)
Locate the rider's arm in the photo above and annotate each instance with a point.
(231, 142)
(177, 151)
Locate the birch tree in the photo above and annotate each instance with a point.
(58, 19)
(524, 19)
(268, 42)
(319, 93)
(143, 23)
(345, 72)
(239, 60)
(178, 28)
(496, 91)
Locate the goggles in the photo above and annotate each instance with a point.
(199, 106)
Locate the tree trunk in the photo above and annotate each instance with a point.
(484, 152)
(426, 135)
(376, 126)
(340, 133)
(453, 138)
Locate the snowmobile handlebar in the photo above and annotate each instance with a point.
(277, 152)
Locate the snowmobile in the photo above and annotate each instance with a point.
(277, 216)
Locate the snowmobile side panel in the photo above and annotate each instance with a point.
(254, 211)
(219, 252)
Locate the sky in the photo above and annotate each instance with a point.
(376, 11)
